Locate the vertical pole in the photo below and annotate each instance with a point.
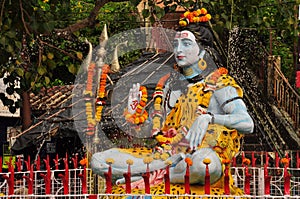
(287, 181)
(146, 177)
(108, 179)
(253, 159)
(226, 181)
(187, 180)
(267, 180)
(167, 180)
(247, 181)
(207, 180)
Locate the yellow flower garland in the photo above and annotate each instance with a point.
(92, 119)
(162, 139)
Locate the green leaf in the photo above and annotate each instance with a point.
(228, 25)
(11, 34)
(9, 48)
(47, 80)
(258, 20)
(159, 12)
(41, 70)
(72, 69)
(145, 13)
(49, 26)
(38, 85)
(291, 21)
(18, 44)
(3, 40)
(27, 75)
(20, 72)
(51, 64)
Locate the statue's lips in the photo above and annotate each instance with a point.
(180, 57)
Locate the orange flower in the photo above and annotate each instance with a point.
(189, 161)
(206, 161)
(226, 161)
(246, 161)
(129, 161)
(109, 161)
(222, 70)
(200, 15)
(285, 161)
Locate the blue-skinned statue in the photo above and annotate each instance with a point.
(201, 121)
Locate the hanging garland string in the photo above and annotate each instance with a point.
(93, 119)
(88, 93)
(100, 101)
(157, 115)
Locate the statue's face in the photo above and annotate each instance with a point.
(186, 49)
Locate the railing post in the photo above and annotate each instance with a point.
(226, 180)
(10, 178)
(47, 177)
(127, 177)
(167, 180)
(207, 178)
(65, 178)
(187, 180)
(29, 180)
(267, 180)
(19, 164)
(247, 181)
(56, 161)
(75, 161)
(270, 77)
(38, 163)
(146, 177)
(253, 159)
(287, 177)
(82, 176)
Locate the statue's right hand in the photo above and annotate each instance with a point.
(134, 98)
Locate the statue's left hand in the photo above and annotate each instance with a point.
(198, 129)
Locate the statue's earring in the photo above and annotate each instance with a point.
(202, 64)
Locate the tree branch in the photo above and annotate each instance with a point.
(23, 20)
(2, 11)
(87, 22)
(60, 50)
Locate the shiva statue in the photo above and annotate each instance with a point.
(202, 120)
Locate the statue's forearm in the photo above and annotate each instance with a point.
(241, 122)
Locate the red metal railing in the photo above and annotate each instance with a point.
(264, 176)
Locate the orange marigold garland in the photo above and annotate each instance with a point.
(140, 115)
(91, 118)
(88, 100)
(199, 15)
(157, 96)
(213, 77)
(100, 101)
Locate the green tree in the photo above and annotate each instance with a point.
(42, 42)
